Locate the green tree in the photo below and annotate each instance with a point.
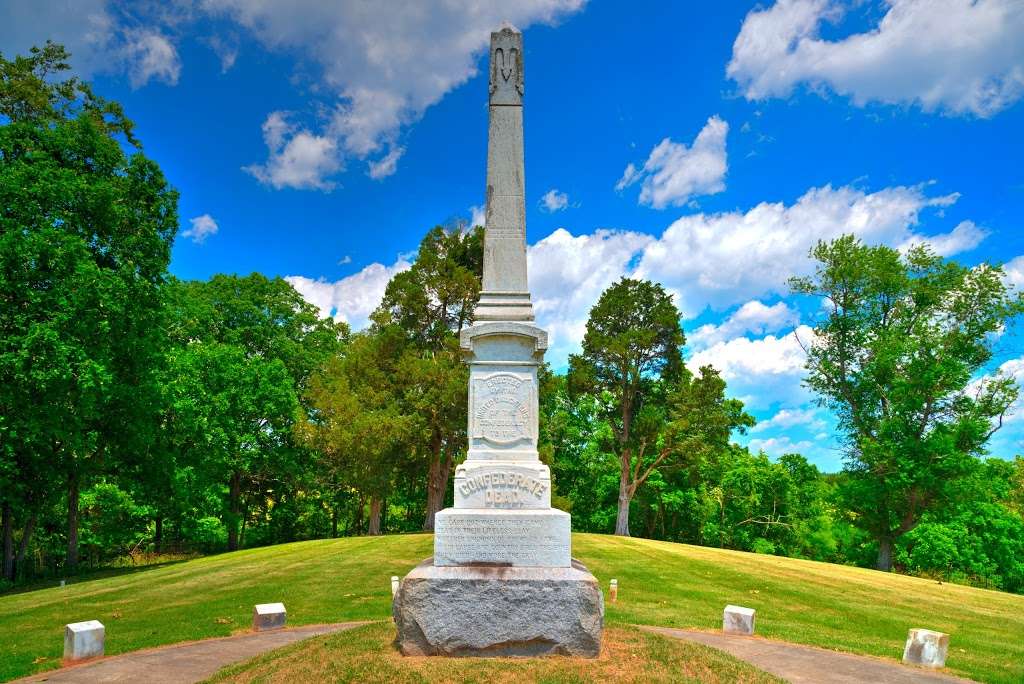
(658, 413)
(247, 349)
(894, 360)
(85, 237)
(428, 306)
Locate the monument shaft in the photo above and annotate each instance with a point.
(505, 295)
(502, 545)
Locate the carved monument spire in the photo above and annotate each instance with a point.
(505, 295)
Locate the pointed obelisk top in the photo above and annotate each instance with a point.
(505, 295)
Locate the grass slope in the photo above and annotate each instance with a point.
(838, 607)
(367, 655)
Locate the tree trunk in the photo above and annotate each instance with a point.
(334, 521)
(158, 534)
(8, 535)
(625, 496)
(358, 524)
(235, 510)
(26, 537)
(437, 478)
(72, 556)
(884, 555)
(376, 506)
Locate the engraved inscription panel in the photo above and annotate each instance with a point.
(502, 409)
(503, 489)
(521, 541)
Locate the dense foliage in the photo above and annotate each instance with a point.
(142, 414)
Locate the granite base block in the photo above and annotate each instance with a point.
(499, 611)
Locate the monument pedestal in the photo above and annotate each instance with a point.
(502, 581)
(481, 610)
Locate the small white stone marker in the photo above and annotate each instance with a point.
(83, 640)
(394, 585)
(268, 616)
(925, 647)
(738, 620)
(613, 590)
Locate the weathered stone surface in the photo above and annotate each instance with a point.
(925, 647)
(84, 640)
(267, 616)
(738, 620)
(514, 538)
(499, 611)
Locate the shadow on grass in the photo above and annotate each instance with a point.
(91, 574)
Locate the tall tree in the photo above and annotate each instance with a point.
(247, 349)
(85, 237)
(894, 360)
(429, 305)
(631, 352)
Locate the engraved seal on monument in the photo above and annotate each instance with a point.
(504, 408)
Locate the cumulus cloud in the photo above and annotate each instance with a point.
(568, 274)
(1014, 270)
(298, 158)
(720, 260)
(761, 371)
(100, 39)
(386, 165)
(554, 200)
(351, 299)
(957, 56)
(753, 317)
(780, 446)
(965, 237)
(150, 55)
(477, 215)
(790, 417)
(202, 227)
(383, 64)
(673, 172)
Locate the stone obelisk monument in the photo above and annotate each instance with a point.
(502, 580)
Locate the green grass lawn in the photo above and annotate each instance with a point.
(849, 609)
(366, 655)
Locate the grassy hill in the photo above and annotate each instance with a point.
(849, 609)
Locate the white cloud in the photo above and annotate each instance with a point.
(554, 200)
(100, 40)
(386, 165)
(351, 299)
(345, 260)
(790, 417)
(965, 237)
(780, 446)
(753, 317)
(150, 55)
(202, 227)
(477, 215)
(673, 173)
(384, 64)
(720, 260)
(298, 158)
(958, 56)
(567, 275)
(1014, 270)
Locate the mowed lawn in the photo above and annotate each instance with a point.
(660, 583)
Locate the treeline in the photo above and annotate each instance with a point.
(142, 414)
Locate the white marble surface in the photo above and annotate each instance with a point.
(502, 485)
(926, 647)
(738, 620)
(84, 640)
(268, 616)
(515, 538)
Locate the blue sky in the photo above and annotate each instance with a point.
(703, 145)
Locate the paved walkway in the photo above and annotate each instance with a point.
(185, 663)
(195, 661)
(807, 664)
